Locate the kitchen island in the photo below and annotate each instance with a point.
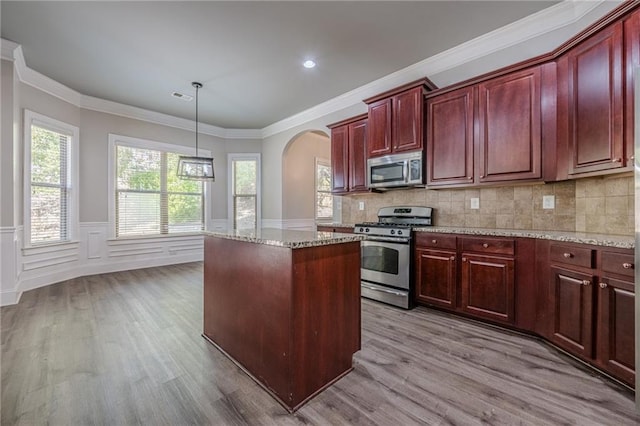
(284, 306)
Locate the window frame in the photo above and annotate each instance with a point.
(323, 162)
(133, 142)
(231, 157)
(72, 217)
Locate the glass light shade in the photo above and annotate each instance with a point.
(196, 168)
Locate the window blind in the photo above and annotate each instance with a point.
(50, 186)
(324, 198)
(150, 199)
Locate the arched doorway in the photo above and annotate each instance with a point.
(299, 161)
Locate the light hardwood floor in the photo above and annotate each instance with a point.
(126, 348)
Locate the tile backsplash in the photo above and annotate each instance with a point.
(600, 204)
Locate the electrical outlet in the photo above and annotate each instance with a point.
(360, 205)
(475, 203)
(548, 202)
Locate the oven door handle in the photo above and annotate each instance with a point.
(396, 240)
(395, 293)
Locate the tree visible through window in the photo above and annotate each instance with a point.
(150, 198)
(324, 199)
(244, 183)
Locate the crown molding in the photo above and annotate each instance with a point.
(532, 26)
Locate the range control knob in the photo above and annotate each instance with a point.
(393, 231)
(361, 229)
(366, 230)
(399, 232)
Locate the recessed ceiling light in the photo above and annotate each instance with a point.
(308, 63)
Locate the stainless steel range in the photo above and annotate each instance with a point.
(386, 254)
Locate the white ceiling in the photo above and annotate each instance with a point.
(248, 55)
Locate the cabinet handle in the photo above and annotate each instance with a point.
(567, 255)
(434, 241)
(603, 285)
(616, 160)
(627, 265)
(452, 258)
(470, 178)
(481, 176)
(464, 259)
(485, 245)
(586, 282)
(632, 158)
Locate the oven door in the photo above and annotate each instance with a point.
(386, 262)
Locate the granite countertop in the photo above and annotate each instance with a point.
(286, 237)
(619, 241)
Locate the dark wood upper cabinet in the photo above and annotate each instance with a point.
(510, 127)
(348, 155)
(358, 155)
(592, 73)
(379, 139)
(396, 119)
(450, 138)
(632, 62)
(339, 159)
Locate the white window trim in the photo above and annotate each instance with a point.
(230, 159)
(324, 162)
(33, 118)
(146, 144)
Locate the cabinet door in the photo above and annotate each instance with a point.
(339, 159)
(450, 138)
(509, 118)
(379, 128)
(595, 102)
(487, 287)
(632, 61)
(436, 277)
(407, 121)
(358, 156)
(615, 328)
(572, 301)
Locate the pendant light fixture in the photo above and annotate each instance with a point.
(196, 168)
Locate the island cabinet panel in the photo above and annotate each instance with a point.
(488, 287)
(450, 138)
(572, 303)
(592, 73)
(349, 155)
(288, 317)
(510, 127)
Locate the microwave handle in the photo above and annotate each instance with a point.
(406, 171)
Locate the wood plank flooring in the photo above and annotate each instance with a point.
(126, 349)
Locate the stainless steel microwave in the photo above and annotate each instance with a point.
(395, 170)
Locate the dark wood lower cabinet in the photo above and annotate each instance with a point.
(615, 328)
(436, 277)
(572, 298)
(488, 287)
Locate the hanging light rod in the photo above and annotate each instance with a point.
(196, 167)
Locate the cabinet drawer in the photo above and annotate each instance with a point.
(424, 239)
(489, 245)
(572, 255)
(618, 263)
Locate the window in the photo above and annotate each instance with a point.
(244, 203)
(50, 180)
(148, 197)
(324, 198)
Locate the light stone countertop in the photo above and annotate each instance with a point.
(286, 237)
(604, 240)
(619, 241)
